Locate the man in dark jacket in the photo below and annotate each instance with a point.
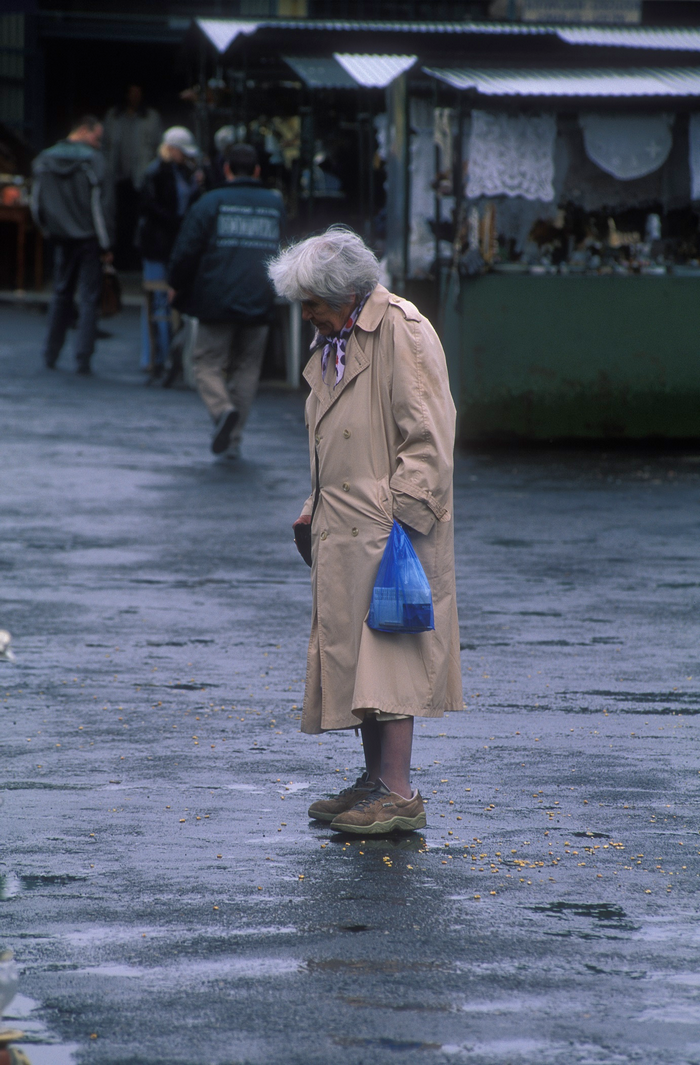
(70, 204)
(217, 274)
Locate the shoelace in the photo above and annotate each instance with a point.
(360, 783)
(376, 793)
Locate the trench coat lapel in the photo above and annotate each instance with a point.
(356, 359)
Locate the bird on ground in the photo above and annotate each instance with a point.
(9, 979)
(6, 653)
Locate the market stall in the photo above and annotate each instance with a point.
(572, 298)
(533, 187)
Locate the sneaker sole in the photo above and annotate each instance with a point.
(322, 817)
(328, 817)
(222, 438)
(383, 828)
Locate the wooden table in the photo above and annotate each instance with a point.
(22, 218)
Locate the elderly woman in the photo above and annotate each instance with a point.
(381, 434)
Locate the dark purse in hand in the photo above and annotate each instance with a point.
(302, 538)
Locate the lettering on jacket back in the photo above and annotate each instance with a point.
(239, 226)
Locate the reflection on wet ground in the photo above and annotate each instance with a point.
(164, 892)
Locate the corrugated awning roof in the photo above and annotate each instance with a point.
(375, 71)
(680, 39)
(223, 32)
(639, 82)
(348, 71)
(320, 73)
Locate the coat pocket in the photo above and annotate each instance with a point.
(385, 500)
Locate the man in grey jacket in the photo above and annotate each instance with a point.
(71, 205)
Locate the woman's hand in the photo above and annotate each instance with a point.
(302, 536)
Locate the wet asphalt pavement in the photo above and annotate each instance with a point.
(166, 897)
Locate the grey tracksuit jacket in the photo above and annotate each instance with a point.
(71, 198)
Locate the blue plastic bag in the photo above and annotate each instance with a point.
(401, 597)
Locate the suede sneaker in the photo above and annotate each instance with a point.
(327, 809)
(381, 812)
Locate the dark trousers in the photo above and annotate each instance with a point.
(126, 201)
(76, 265)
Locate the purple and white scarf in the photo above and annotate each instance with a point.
(337, 342)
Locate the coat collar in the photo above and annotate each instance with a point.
(355, 362)
(374, 309)
(355, 358)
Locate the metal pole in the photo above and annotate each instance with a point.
(370, 172)
(294, 351)
(362, 164)
(407, 180)
(457, 176)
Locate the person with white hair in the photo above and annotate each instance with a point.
(381, 427)
(170, 185)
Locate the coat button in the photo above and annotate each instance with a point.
(346, 434)
(355, 531)
(324, 535)
(346, 486)
(317, 438)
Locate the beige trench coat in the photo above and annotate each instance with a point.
(384, 438)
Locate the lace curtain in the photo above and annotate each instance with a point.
(511, 156)
(421, 244)
(627, 146)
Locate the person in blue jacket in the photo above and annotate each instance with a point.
(217, 274)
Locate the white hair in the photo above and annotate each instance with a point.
(334, 267)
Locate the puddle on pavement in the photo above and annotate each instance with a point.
(383, 1043)
(607, 915)
(398, 1007)
(53, 1054)
(515, 1050)
(531, 1004)
(371, 965)
(38, 785)
(37, 1044)
(215, 969)
(33, 881)
(100, 937)
(409, 843)
(631, 974)
(686, 1013)
(10, 887)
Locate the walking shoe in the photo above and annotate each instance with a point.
(381, 812)
(83, 368)
(327, 809)
(232, 452)
(223, 428)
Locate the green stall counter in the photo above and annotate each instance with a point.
(570, 356)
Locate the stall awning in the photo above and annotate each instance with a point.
(681, 39)
(375, 71)
(320, 73)
(344, 71)
(223, 32)
(639, 82)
